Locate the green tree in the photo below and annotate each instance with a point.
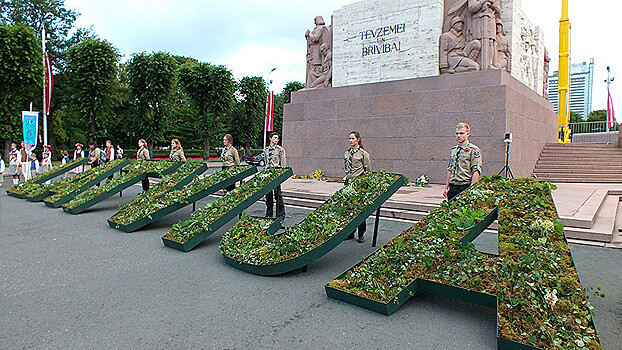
(576, 117)
(211, 91)
(21, 77)
(281, 99)
(92, 68)
(597, 116)
(249, 116)
(151, 79)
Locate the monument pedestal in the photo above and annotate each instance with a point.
(408, 125)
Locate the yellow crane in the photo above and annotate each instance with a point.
(563, 84)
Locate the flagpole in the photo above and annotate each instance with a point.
(45, 119)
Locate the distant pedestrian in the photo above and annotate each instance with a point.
(109, 151)
(95, 154)
(143, 154)
(66, 158)
(119, 153)
(2, 169)
(46, 160)
(34, 165)
(275, 158)
(229, 156)
(77, 154)
(177, 152)
(14, 165)
(25, 159)
(465, 163)
(356, 162)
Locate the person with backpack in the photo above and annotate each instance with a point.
(96, 155)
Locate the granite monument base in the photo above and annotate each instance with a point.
(408, 126)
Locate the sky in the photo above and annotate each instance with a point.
(251, 37)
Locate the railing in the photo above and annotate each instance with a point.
(590, 127)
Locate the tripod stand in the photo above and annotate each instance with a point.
(506, 168)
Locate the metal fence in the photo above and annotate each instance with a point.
(590, 127)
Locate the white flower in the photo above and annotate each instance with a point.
(551, 297)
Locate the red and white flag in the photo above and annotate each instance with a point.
(611, 115)
(49, 84)
(270, 112)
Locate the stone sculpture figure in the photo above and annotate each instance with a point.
(319, 36)
(502, 52)
(455, 54)
(484, 18)
(325, 78)
(547, 60)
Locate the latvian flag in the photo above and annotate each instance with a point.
(49, 84)
(611, 116)
(270, 112)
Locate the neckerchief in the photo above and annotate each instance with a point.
(348, 160)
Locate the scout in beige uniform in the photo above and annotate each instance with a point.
(356, 162)
(229, 156)
(465, 163)
(177, 153)
(94, 154)
(143, 154)
(275, 158)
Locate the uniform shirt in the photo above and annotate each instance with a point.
(229, 156)
(95, 153)
(177, 155)
(17, 153)
(275, 157)
(464, 161)
(24, 155)
(142, 154)
(356, 162)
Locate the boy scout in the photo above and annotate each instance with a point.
(275, 158)
(465, 163)
(229, 156)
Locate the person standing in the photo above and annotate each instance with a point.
(34, 165)
(177, 152)
(356, 161)
(46, 162)
(2, 169)
(109, 151)
(77, 154)
(465, 163)
(94, 154)
(14, 165)
(25, 159)
(275, 158)
(66, 158)
(229, 156)
(119, 152)
(143, 154)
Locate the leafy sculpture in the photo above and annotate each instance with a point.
(532, 283)
(186, 235)
(252, 246)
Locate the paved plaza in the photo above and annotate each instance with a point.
(72, 282)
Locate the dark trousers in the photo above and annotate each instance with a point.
(146, 185)
(362, 227)
(230, 187)
(455, 190)
(271, 197)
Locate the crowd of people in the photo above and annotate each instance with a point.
(464, 167)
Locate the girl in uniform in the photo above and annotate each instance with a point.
(78, 153)
(34, 165)
(14, 164)
(229, 156)
(356, 162)
(46, 162)
(177, 153)
(143, 154)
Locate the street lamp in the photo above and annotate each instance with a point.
(265, 126)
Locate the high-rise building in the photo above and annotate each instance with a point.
(581, 83)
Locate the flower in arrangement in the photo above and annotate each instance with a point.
(422, 181)
(551, 297)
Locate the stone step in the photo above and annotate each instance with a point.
(580, 146)
(557, 179)
(582, 166)
(571, 170)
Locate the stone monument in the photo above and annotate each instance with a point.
(319, 56)
(405, 72)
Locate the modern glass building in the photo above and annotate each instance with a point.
(581, 84)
